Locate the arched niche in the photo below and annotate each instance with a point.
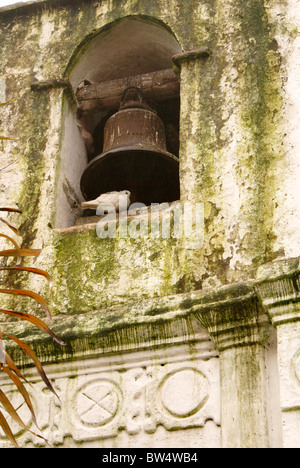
(132, 51)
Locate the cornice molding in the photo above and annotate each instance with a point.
(278, 286)
(231, 316)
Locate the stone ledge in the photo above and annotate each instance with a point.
(233, 315)
(152, 323)
(278, 269)
(32, 4)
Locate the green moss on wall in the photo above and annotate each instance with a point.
(34, 132)
(262, 117)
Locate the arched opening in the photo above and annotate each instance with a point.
(134, 53)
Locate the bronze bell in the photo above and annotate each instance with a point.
(134, 156)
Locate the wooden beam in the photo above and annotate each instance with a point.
(156, 86)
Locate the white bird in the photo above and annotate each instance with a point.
(109, 198)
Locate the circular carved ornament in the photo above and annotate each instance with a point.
(97, 403)
(184, 392)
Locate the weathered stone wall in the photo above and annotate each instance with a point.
(239, 155)
(236, 150)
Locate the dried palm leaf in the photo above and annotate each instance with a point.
(33, 295)
(7, 430)
(6, 363)
(36, 321)
(35, 359)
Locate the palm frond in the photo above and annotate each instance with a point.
(6, 363)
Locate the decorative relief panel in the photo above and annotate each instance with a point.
(97, 405)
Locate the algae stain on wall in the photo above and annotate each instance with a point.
(262, 121)
(91, 273)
